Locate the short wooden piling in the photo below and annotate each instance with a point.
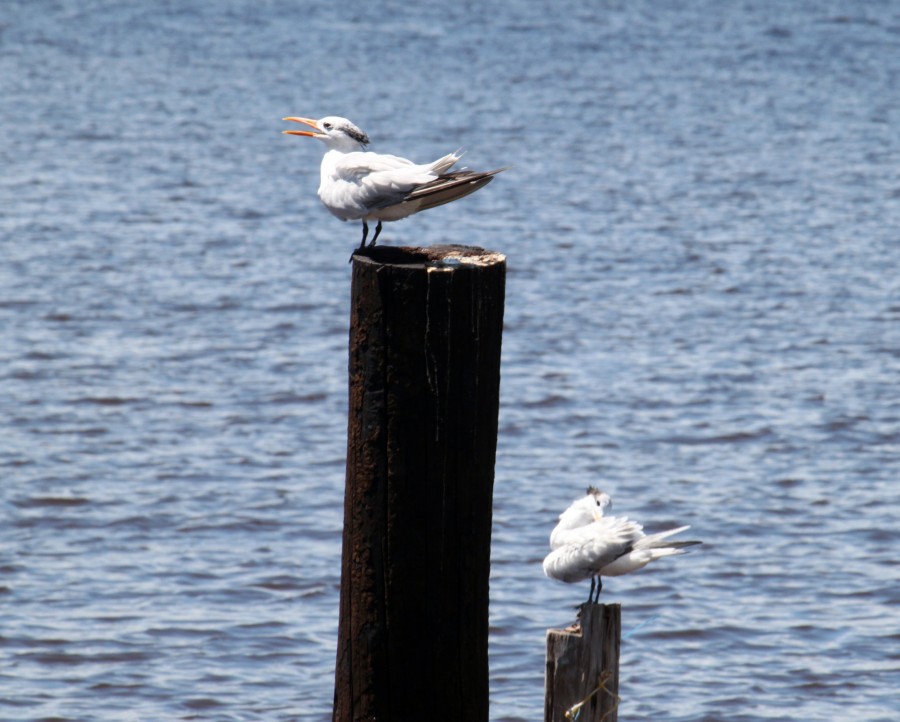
(582, 678)
(424, 371)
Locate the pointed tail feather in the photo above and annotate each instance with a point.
(441, 165)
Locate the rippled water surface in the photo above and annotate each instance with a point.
(703, 316)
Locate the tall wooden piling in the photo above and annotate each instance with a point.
(424, 369)
(582, 677)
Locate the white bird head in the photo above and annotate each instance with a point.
(335, 132)
(585, 510)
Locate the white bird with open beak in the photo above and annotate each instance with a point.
(360, 185)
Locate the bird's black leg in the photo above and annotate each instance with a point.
(361, 245)
(591, 593)
(599, 587)
(365, 233)
(377, 231)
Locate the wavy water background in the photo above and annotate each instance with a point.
(702, 222)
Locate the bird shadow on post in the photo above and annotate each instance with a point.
(582, 676)
(424, 369)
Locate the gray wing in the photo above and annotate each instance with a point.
(444, 189)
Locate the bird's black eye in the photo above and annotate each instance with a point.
(598, 502)
(327, 126)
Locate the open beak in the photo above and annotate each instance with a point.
(306, 121)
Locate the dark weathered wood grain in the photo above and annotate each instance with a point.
(424, 371)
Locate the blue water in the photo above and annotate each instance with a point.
(702, 224)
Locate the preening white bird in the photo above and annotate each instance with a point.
(603, 546)
(580, 512)
(356, 184)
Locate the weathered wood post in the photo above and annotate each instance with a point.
(425, 333)
(582, 679)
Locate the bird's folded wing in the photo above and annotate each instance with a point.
(357, 183)
(448, 188)
(615, 529)
(604, 540)
(574, 562)
(618, 526)
(354, 167)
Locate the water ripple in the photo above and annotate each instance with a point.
(701, 318)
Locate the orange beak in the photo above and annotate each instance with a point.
(306, 121)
